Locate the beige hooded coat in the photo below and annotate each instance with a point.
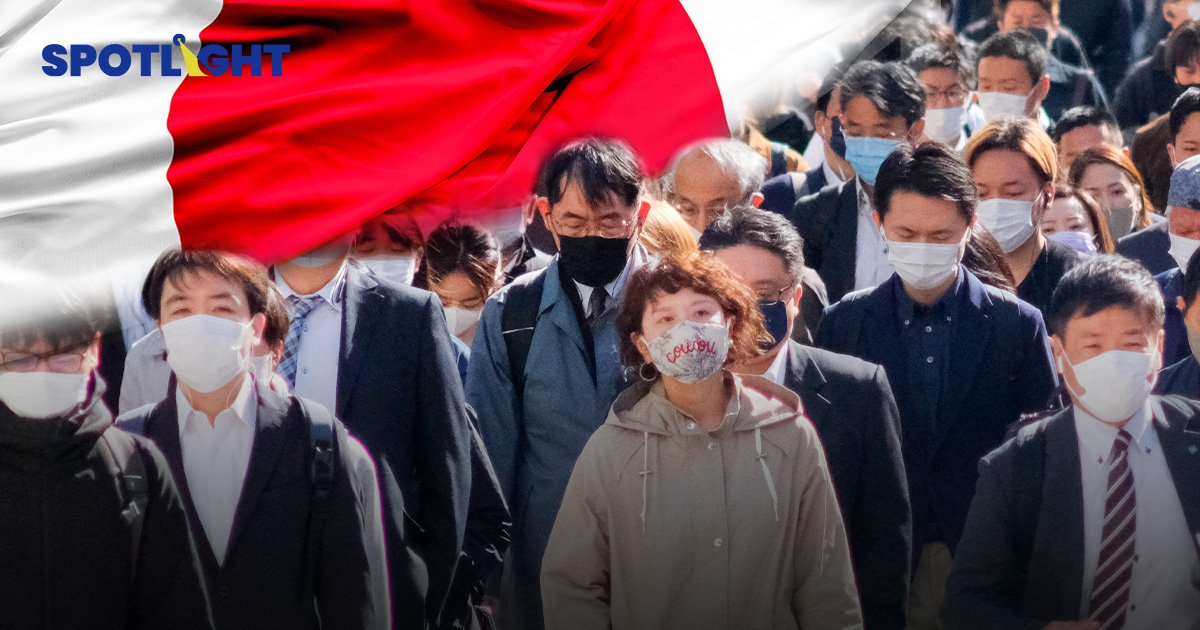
(666, 527)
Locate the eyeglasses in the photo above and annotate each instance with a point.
(61, 362)
(577, 227)
(691, 211)
(767, 297)
(953, 96)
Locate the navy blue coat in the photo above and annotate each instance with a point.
(1181, 379)
(1149, 246)
(1000, 368)
(399, 392)
(781, 192)
(1175, 343)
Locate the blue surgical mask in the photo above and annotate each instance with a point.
(867, 154)
(775, 318)
(837, 140)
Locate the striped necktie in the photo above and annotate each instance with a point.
(301, 307)
(1114, 572)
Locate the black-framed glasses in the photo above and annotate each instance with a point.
(767, 297)
(59, 362)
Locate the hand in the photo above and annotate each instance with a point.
(1073, 625)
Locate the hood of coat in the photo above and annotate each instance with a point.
(69, 436)
(755, 404)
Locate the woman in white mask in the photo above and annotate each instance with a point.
(695, 461)
(462, 266)
(1107, 174)
(390, 245)
(1015, 164)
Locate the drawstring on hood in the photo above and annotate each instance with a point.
(645, 474)
(762, 459)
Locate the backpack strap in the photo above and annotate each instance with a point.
(518, 319)
(323, 447)
(124, 461)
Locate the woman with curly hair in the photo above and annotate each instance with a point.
(704, 501)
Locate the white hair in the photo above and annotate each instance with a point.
(735, 158)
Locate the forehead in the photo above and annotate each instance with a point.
(752, 263)
(574, 202)
(1065, 208)
(1002, 165)
(1025, 8)
(919, 213)
(1191, 126)
(1087, 135)
(683, 298)
(1004, 69)
(201, 285)
(1102, 174)
(939, 77)
(862, 111)
(699, 174)
(1109, 322)
(455, 286)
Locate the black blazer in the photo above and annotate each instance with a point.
(828, 222)
(399, 392)
(1149, 246)
(850, 403)
(262, 582)
(993, 585)
(1000, 368)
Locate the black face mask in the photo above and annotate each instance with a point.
(593, 260)
(775, 317)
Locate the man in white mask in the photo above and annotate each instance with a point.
(947, 76)
(965, 360)
(246, 464)
(1019, 77)
(1089, 517)
(74, 553)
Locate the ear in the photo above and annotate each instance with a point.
(542, 206)
(798, 294)
(94, 348)
(1040, 90)
(1056, 347)
(1179, 304)
(756, 199)
(877, 219)
(822, 125)
(642, 348)
(916, 131)
(1171, 154)
(530, 210)
(258, 324)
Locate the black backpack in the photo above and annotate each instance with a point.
(518, 319)
(124, 462)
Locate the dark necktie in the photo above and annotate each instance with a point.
(1114, 572)
(301, 307)
(596, 306)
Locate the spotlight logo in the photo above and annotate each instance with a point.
(150, 60)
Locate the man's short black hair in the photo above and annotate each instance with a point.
(1187, 104)
(1191, 281)
(891, 87)
(1085, 116)
(177, 265)
(65, 318)
(604, 168)
(1183, 46)
(937, 56)
(1101, 282)
(929, 170)
(1020, 46)
(747, 225)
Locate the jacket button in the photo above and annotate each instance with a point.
(223, 592)
(712, 446)
(717, 542)
(691, 425)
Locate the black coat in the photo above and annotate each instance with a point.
(66, 554)
(399, 392)
(996, 585)
(850, 403)
(1000, 367)
(828, 223)
(1147, 92)
(263, 581)
(1149, 246)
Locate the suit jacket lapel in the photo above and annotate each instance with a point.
(1062, 508)
(163, 429)
(360, 308)
(558, 307)
(968, 343)
(270, 436)
(806, 379)
(1179, 436)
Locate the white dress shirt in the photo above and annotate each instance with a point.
(320, 341)
(871, 266)
(778, 370)
(215, 458)
(1166, 570)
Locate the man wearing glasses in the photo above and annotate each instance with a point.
(544, 368)
(94, 533)
(848, 400)
(883, 106)
(947, 76)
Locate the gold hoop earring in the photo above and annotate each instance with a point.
(642, 372)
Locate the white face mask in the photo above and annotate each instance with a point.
(1115, 384)
(206, 352)
(945, 125)
(997, 104)
(924, 265)
(690, 352)
(458, 320)
(322, 255)
(1182, 248)
(42, 395)
(1193, 11)
(262, 368)
(1009, 220)
(398, 269)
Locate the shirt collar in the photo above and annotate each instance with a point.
(831, 176)
(242, 408)
(864, 200)
(332, 292)
(906, 307)
(1097, 436)
(778, 369)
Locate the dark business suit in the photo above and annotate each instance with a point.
(850, 403)
(261, 583)
(999, 367)
(1150, 247)
(1175, 341)
(399, 392)
(1021, 561)
(1180, 379)
(828, 222)
(781, 192)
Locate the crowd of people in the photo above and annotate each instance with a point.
(943, 373)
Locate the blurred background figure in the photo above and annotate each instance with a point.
(462, 266)
(1082, 128)
(1109, 176)
(665, 233)
(390, 245)
(1075, 219)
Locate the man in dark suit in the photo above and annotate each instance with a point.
(276, 549)
(1089, 518)
(848, 401)
(1180, 290)
(781, 192)
(379, 354)
(883, 105)
(964, 360)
